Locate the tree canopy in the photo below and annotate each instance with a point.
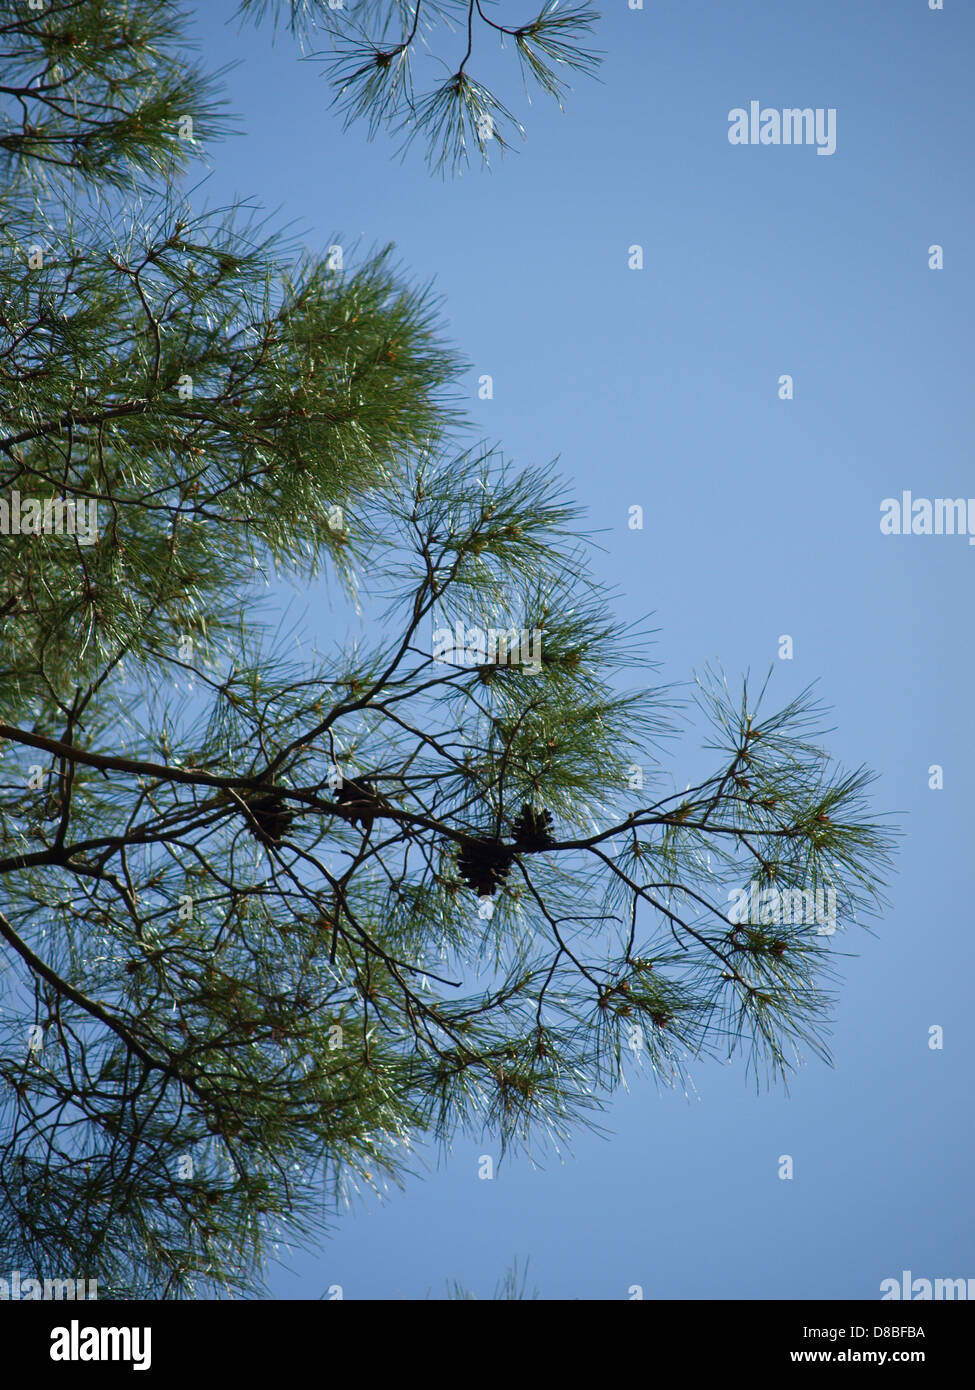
(273, 915)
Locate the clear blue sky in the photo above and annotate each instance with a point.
(659, 387)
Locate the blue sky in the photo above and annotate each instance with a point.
(659, 387)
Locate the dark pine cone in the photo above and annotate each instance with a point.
(531, 829)
(482, 864)
(272, 816)
(360, 795)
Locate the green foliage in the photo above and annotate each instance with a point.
(213, 403)
(371, 62)
(100, 89)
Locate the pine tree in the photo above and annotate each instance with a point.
(244, 894)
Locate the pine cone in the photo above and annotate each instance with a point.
(361, 796)
(272, 816)
(531, 829)
(482, 864)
